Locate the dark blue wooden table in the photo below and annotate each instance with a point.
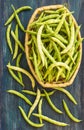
(10, 117)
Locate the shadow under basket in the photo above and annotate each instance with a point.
(27, 49)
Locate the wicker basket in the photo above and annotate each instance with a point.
(49, 85)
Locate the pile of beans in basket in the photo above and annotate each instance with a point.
(54, 44)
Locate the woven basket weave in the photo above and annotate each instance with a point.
(27, 49)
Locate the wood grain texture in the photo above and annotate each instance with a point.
(10, 117)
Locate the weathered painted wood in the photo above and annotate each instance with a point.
(10, 118)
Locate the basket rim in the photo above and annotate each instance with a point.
(50, 85)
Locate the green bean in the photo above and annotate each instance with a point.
(16, 45)
(35, 103)
(58, 42)
(17, 19)
(14, 76)
(58, 36)
(63, 31)
(53, 25)
(50, 21)
(20, 95)
(69, 113)
(75, 67)
(17, 64)
(40, 109)
(49, 17)
(8, 38)
(31, 32)
(62, 69)
(51, 103)
(70, 55)
(28, 120)
(17, 41)
(78, 43)
(17, 11)
(36, 66)
(68, 94)
(39, 43)
(37, 61)
(52, 59)
(34, 93)
(49, 70)
(29, 42)
(71, 52)
(70, 20)
(57, 51)
(77, 31)
(60, 24)
(29, 92)
(52, 75)
(39, 18)
(33, 24)
(71, 40)
(49, 47)
(24, 72)
(50, 120)
(55, 11)
(61, 38)
(46, 40)
(18, 59)
(67, 29)
(41, 15)
(35, 33)
(60, 74)
(68, 73)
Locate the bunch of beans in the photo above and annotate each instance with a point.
(54, 45)
(54, 50)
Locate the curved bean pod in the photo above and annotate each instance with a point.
(17, 64)
(35, 103)
(14, 76)
(24, 72)
(16, 45)
(58, 36)
(69, 113)
(53, 60)
(17, 11)
(51, 16)
(39, 43)
(51, 104)
(28, 120)
(71, 40)
(50, 21)
(34, 93)
(68, 94)
(18, 20)
(67, 29)
(36, 67)
(50, 120)
(20, 95)
(60, 24)
(58, 42)
(55, 11)
(8, 38)
(40, 109)
(17, 41)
